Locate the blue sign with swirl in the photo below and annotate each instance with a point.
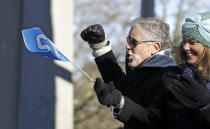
(36, 41)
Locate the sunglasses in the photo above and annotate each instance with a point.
(134, 42)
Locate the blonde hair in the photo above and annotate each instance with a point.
(203, 62)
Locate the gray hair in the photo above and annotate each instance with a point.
(155, 30)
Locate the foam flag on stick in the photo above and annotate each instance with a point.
(36, 41)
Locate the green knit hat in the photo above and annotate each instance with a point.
(197, 27)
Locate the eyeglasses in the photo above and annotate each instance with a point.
(134, 42)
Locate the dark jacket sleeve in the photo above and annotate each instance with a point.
(204, 114)
(111, 71)
(138, 116)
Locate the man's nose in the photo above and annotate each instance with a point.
(128, 46)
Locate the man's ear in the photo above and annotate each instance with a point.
(157, 47)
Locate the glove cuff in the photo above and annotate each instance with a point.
(118, 109)
(102, 51)
(121, 104)
(205, 108)
(98, 46)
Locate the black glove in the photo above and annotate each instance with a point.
(106, 93)
(93, 34)
(190, 92)
(194, 89)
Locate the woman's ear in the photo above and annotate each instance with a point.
(157, 47)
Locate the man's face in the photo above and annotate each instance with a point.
(136, 55)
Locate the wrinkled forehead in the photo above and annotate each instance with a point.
(138, 32)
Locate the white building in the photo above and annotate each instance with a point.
(35, 92)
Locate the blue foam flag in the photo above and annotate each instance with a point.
(37, 42)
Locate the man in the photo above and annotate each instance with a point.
(133, 94)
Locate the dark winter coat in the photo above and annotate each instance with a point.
(177, 116)
(140, 88)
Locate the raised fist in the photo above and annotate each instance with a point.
(93, 34)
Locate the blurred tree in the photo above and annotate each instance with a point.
(114, 16)
(174, 12)
(88, 113)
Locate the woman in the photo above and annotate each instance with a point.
(187, 94)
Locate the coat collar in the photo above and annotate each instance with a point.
(160, 59)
